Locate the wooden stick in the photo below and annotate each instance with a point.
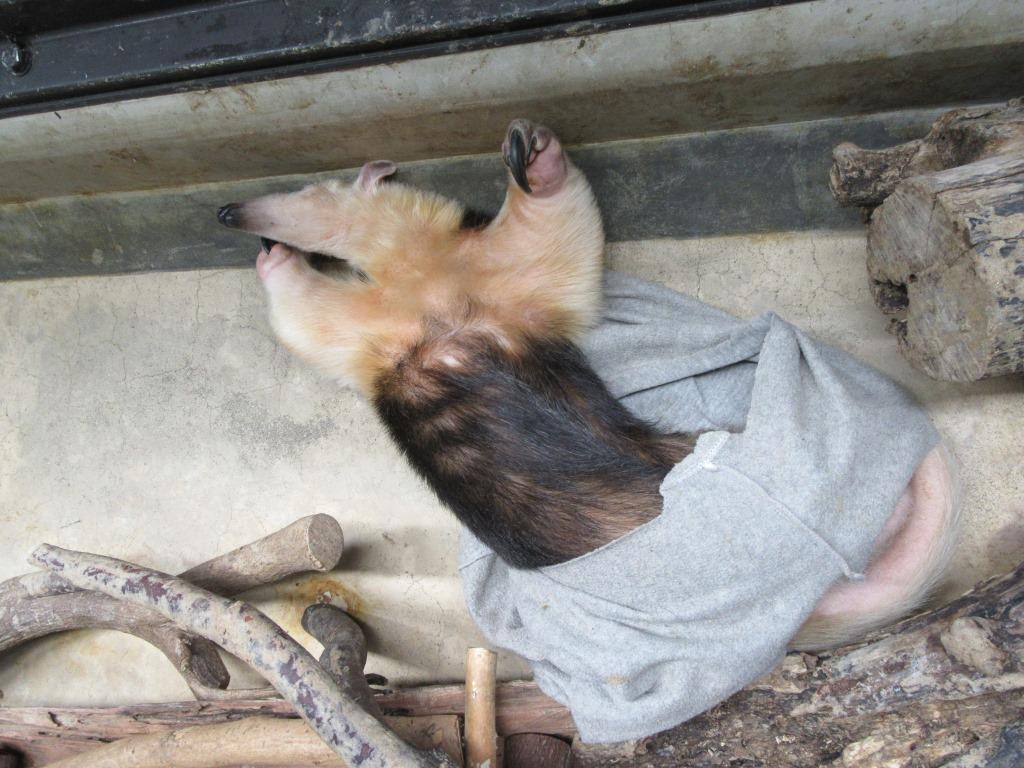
(311, 543)
(253, 741)
(39, 604)
(354, 735)
(481, 731)
(522, 707)
(23, 618)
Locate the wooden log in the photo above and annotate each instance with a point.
(938, 689)
(946, 258)
(865, 177)
(536, 750)
(311, 543)
(44, 734)
(254, 741)
(39, 604)
(946, 240)
(354, 735)
(481, 730)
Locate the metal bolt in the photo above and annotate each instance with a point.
(14, 57)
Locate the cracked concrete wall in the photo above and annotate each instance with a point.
(155, 418)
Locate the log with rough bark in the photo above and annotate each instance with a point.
(865, 177)
(356, 736)
(946, 240)
(944, 688)
(39, 604)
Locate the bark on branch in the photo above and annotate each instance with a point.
(39, 604)
(356, 736)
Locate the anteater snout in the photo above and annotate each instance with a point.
(230, 215)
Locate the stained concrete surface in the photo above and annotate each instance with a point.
(154, 417)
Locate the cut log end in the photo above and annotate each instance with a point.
(325, 541)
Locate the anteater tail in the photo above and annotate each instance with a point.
(909, 586)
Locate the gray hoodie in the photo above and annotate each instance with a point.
(804, 454)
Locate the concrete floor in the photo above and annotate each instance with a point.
(153, 417)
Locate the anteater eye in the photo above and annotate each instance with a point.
(339, 269)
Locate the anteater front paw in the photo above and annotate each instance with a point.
(534, 156)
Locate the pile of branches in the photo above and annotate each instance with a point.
(944, 688)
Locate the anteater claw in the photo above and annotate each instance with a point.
(519, 145)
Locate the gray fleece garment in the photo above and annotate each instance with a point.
(804, 455)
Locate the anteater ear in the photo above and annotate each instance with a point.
(371, 174)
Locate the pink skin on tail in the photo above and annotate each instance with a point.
(909, 557)
(911, 534)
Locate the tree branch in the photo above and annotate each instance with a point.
(39, 604)
(354, 735)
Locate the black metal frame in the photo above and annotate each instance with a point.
(84, 53)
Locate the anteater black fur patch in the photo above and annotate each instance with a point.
(475, 219)
(529, 449)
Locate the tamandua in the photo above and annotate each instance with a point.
(463, 335)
